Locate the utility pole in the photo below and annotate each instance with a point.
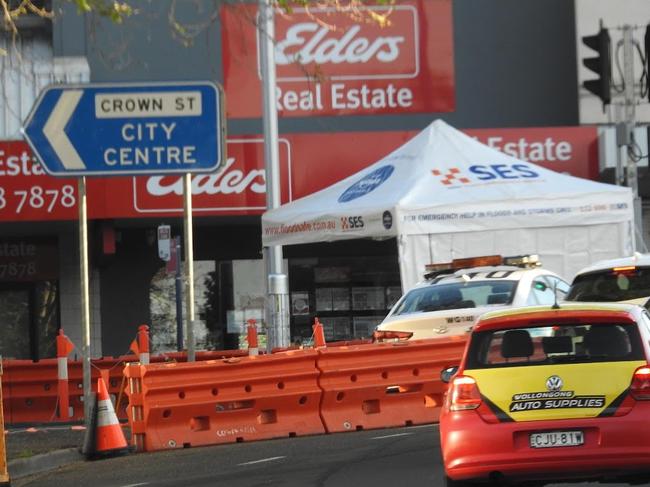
(277, 290)
(627, 130)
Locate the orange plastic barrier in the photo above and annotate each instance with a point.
(204, 403)
(384, 385)
(30, 389)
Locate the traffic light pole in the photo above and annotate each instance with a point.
(631, 173)
(277, 286)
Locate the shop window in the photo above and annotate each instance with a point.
(16, 323)
(349, 295)
(29, 298)
(46, 317)
(162, 299)
(29, 320)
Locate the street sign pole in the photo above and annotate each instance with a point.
(179, 294)
(189, 264)
(127, 129)
(85, 299)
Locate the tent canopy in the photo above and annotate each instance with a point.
(443, 182)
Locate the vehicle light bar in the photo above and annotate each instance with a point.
(529, 260)
(484, 260)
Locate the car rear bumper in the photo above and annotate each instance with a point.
(613, 446)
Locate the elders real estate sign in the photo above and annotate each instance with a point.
(327, 63)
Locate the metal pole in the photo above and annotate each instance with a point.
(278, 322)
(85, 299)
(631, 174)
(179, 296)
(189, 264)
(620, 149)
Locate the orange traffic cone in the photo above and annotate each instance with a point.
(109, 436)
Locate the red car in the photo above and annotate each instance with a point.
(550, 394)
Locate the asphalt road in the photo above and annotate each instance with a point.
(401, 457)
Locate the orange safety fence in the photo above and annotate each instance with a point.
(30, 389)
(291, 393)
(385, 384)
(224, 401)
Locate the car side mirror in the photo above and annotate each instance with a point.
(447, 373)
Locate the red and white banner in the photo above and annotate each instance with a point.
(308, 163)
(329, 63)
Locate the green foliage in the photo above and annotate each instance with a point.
(114, 10)
(351, 7)
(342, 5)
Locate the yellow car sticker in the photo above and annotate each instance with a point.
(559, 391)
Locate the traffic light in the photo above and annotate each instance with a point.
(601, 65)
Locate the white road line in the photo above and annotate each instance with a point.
(136, 485)
(263, 460)
(390, 436)
(420, 426)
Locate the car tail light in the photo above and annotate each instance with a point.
(464, 394)
(640, 387)
(385, 335)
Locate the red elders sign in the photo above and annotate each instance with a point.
(239, 187)
(572, 150)
(27, 193)
(329, 64)
(308, 163)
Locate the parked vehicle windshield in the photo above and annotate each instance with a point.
(611, 285)
(438, 297)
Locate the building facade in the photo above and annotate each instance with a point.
(504, 71)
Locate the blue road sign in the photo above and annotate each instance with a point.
(128, 129)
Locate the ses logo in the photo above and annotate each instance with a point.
(351, 222)
(367, 184)
(484, 172)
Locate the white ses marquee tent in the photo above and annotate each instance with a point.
(444, 196)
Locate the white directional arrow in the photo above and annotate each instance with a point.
(54, 130)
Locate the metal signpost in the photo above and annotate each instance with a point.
(127, 129)
(277, 286)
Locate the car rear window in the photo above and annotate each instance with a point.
(618, 284)
(552, 344)
(456, 295)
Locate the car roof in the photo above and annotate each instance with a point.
(637, 259)
(517, 317)
(515, 273)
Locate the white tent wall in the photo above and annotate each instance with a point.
(564, 250)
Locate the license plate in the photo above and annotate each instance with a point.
(551, 439)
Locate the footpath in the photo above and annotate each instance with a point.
(36, 449)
